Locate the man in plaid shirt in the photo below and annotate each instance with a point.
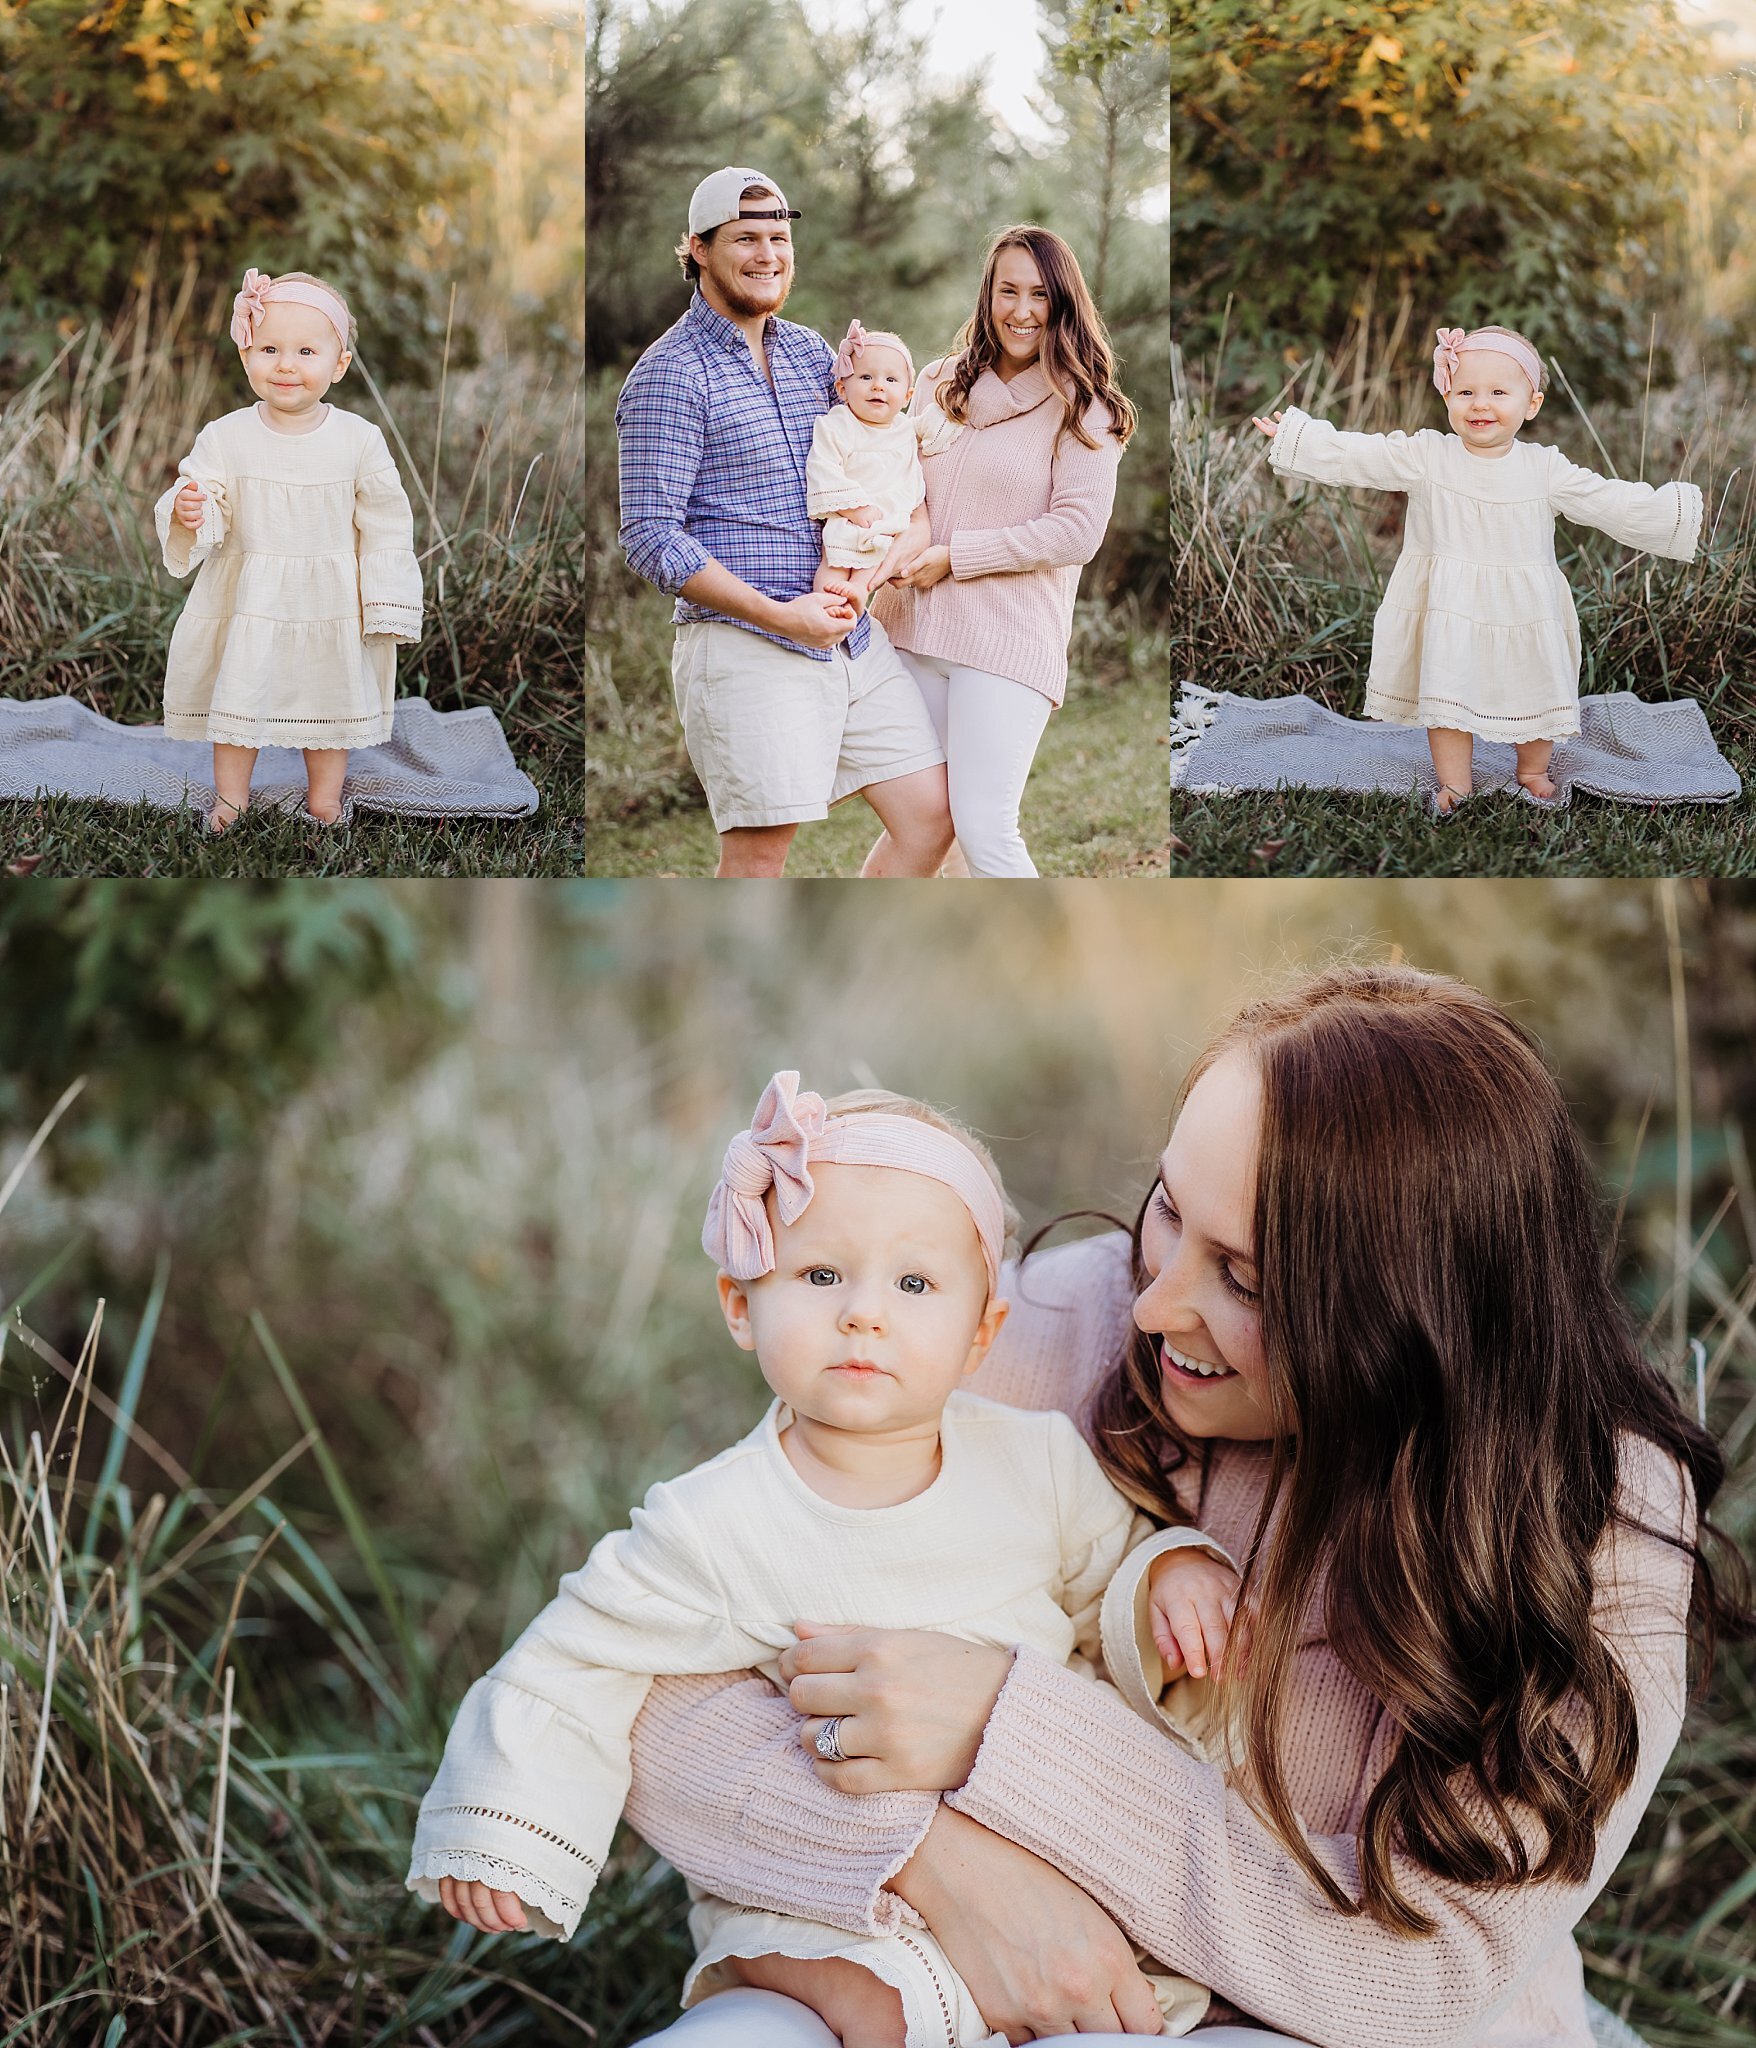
(791, 696)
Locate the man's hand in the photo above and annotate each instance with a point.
(820, 618)
(188, 506)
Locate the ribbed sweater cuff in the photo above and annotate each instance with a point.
(854, 1848)
(1060, 1759)
(981, 551)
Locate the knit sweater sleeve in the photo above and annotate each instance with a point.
(1160, 1839)
(1082, 490)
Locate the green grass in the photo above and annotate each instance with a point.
(69, 836)
(1094, 805)
(1322, 832)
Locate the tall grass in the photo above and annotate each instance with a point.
(490, 457)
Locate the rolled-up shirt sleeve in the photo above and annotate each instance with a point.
(661, 427)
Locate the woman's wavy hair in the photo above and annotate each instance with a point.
(1450, 1372)
(1076, 350)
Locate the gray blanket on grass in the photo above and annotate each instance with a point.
(436, 764)
(1627, 750)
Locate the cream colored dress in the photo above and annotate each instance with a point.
(1013, 1544)
(1477, 630)
(307, 580)
(852, 462)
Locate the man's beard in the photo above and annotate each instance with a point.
(738, 298)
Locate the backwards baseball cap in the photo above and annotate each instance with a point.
(720, 198)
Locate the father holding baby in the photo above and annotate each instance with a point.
(791, 695)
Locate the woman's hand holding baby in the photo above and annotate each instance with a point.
(1193, 1599)
(932, 565)
(914, 1703)
(489, 1911)
(188, 505)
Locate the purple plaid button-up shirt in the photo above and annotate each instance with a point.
(712, 460)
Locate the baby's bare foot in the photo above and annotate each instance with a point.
(325, 814)
(1539, 782)
(224, 813)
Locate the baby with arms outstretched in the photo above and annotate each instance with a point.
(1477, 636)
(860, 1245)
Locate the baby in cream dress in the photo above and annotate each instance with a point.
(294, 514)
(863, 476)
(1477, 634)
(860, 1245)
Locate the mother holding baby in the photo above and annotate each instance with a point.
(1363, 1335)
(1019, 501)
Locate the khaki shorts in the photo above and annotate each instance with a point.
(776, 738)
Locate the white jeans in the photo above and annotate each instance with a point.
(747, 2018)
(989, 727)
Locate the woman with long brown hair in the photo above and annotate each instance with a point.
(1363, 1333)
(1018, 504)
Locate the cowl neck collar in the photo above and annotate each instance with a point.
(992, 399)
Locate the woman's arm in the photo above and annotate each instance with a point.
(1082, 490)
(1160, 1840)
(723, 1790)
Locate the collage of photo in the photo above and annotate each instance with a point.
(593, 1456)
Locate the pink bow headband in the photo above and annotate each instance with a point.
(260, 290)
(856, 339)
(1453, 341)
(791, 1130)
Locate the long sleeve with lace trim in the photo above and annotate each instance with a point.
(1011, 1544)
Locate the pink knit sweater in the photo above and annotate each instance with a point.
(1022, 510)
(723, 1790)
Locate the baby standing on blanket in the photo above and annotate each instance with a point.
(863, 475)
(1477, 633)
(860, 1245)
(294, 513)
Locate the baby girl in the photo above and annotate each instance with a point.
(294, 513)
(1477, 633)
(863, 475)
(859, 1244)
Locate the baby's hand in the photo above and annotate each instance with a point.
(489, 1911)
(1193, 1599)
(188, 505)
(861, 515)
(1269, 426)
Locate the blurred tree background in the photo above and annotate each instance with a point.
(1577, 170)
(425, 159)
(902, 174)
(391, 1195)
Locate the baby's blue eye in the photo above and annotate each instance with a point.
(912, 1283)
